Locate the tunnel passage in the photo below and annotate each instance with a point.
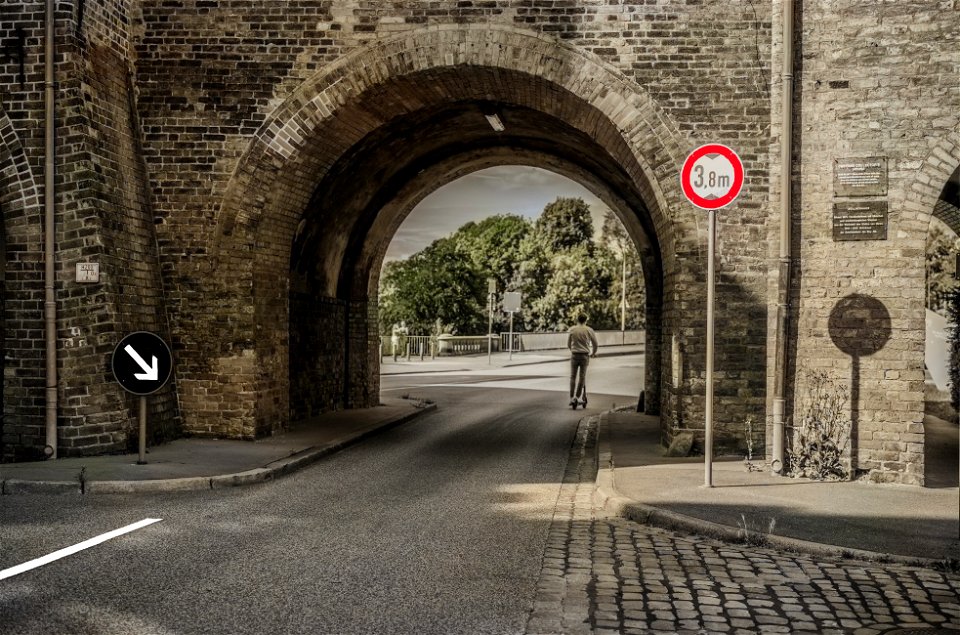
(355, 210)
(313, 203)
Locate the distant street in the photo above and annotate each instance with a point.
(476, 518)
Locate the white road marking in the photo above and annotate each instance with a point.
(86, 544)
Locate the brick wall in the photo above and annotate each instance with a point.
(218, 158)
(872, 79)
(103, 215)
(213, 74)
(21, 179)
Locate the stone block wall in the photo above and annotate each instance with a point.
(872, 79)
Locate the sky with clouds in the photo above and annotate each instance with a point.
(508, 189)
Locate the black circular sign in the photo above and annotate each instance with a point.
(142, 363)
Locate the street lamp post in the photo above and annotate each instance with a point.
(491, 291)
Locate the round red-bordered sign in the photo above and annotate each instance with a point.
(712, 186)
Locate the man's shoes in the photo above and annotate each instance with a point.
(583, 402)
(573, 404)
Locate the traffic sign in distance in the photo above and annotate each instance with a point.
(511, 301)
(712, 176)
(142, 363)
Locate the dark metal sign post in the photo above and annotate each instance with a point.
(142, 364)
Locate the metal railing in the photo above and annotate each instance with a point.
(407, 346)
(429, 346)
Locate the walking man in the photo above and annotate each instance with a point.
(582, 342)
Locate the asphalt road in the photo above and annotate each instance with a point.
(438, 526)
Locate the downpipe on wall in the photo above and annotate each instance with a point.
(783, 277)
(49, 195)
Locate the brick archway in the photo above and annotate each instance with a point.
(336, 133)
(361, 273)
(938, 167)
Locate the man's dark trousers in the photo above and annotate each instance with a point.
(578, 374)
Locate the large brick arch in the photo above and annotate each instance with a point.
(418, 76)
(940, 164)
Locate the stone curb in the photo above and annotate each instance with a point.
(254, 476)
(608, 498)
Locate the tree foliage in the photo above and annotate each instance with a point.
(615, 236)
(579, 281)
(493, 245)
(554, 262)
(564, 224)
(942, 249)
(438, 283)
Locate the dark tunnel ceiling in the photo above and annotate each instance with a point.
(386, 159)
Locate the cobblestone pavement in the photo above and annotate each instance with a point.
(611, 575)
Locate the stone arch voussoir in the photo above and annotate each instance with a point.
(939, 165)
(255, 229)
(653, 137)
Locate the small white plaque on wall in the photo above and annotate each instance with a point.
(88, 272)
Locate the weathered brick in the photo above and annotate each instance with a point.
(190, 152)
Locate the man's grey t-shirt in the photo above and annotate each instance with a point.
(582, 339)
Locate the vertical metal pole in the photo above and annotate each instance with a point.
(711, 275)
(783, 283)
(489, 328)
(143, 431)
(511, 335)
(49, 253)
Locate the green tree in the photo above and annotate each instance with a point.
(942, 249)
(614, 235)
(553, 262)
(439, 282)
(565, 223)
(493, 245)
(580, 280)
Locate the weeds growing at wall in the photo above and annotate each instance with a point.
(821, 437)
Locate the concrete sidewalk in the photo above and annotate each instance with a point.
(849, 519)
(192, 464)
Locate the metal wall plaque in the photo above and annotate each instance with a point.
(88, 272)
(860, 176)
(860, 220)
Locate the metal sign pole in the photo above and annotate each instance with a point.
(143, 431)
(711, 275)
(511, 334)
(490, 328)
(491, 293)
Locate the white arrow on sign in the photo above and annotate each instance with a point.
(151, 373)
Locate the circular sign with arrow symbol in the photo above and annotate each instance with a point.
(142, 363)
